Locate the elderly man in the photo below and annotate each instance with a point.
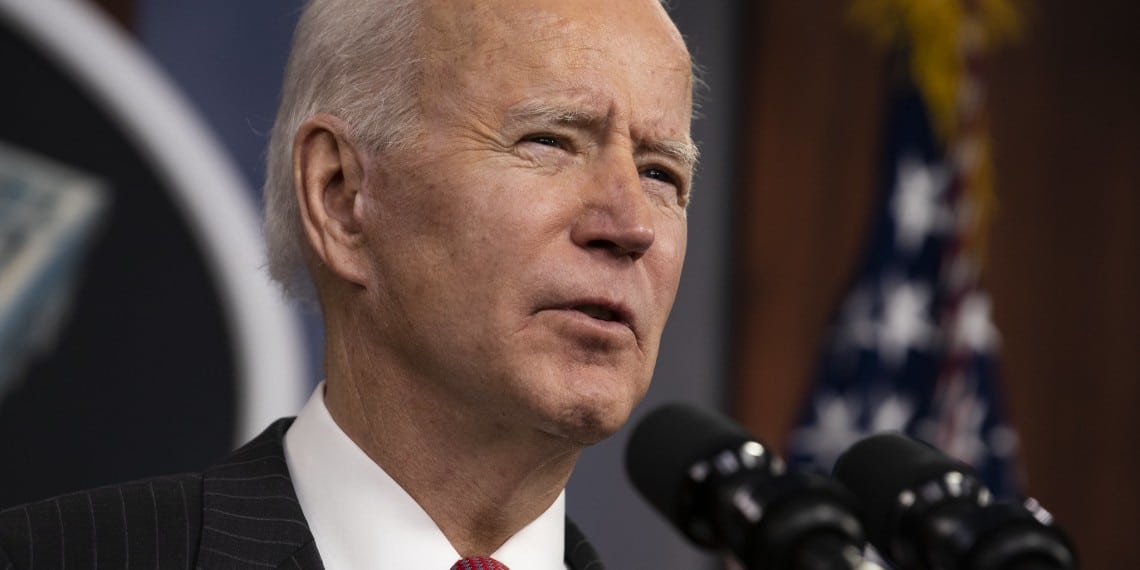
(487, 199)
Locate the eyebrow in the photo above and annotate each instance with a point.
(536, 111)
(683, 151)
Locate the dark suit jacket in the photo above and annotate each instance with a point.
(241, 513)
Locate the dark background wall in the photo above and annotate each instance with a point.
(1064, 266)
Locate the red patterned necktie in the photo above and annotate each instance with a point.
(479, 563)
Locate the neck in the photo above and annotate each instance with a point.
(478, 476)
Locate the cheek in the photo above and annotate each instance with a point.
(426, 216)
(516, 212)
(668, 256)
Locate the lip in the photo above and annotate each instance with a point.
(623, 314)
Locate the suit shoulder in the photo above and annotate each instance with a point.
(154, 522)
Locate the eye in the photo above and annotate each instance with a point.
(670, 180)
(545, 140)
(660, 175)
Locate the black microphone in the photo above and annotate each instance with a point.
(925, 510)
(724, 489)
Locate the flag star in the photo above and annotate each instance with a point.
(915, 205)
(905, 323)
(893, 414)
(974, 329)
(836, 429)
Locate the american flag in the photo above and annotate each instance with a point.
(912, 346)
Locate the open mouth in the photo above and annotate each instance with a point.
(598, 312)
(602, 312)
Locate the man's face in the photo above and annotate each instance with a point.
(525, 255)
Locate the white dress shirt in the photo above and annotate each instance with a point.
(363, 520)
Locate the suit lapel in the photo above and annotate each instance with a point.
(250, 515)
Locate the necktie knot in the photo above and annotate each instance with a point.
(479, 563)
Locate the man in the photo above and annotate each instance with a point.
(487, 198)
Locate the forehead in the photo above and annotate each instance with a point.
(624, 48)
(466, 22)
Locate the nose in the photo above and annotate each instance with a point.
(617, 216)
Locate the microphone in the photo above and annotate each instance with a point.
(725, 490)
(926, 510)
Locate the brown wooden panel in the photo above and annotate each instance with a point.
(1066, 265)
(811, 112)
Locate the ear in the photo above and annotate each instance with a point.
(327, 176)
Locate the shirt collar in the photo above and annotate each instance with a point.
(361, 518)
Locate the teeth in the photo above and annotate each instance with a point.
(598, 312)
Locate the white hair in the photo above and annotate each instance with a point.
(358, 60)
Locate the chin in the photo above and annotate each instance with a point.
(587, 425)
(588, 419)
(582, 404)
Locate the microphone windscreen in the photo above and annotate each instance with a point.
(880, 467)
(667, 443)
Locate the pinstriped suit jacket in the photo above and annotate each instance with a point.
(241, 513)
